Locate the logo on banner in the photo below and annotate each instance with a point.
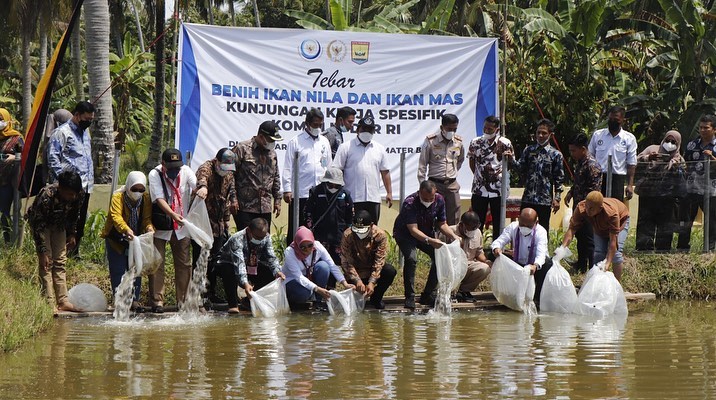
(359, 52)
(310, 49)
(336, 51)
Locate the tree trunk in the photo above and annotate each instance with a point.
(209, 11)
(26, 80)
(155, 145)
(256, 14)
(97, 28)
(138, 23)
(77, 63)
(43, 51)
(232, 12)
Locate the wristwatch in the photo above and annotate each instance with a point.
(427, 239)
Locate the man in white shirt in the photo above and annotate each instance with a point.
(171, 184)
(621, 145)
(314, 157)
(363, 161)
(529, 241)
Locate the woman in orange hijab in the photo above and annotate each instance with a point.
(10, 143)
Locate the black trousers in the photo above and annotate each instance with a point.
(80, 226)
(688, 208)
(540, 274)
(211, 272)
(479, 205)
(409, 247)
(618, 182)
(243, 218)
(656, 224)
(372, 208)
(543, 213)
(231, 281)
(301, 218)
(585, 246)
(387, 275)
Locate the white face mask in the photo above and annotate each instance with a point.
(3, 125)
(134, 196)
(525, 231)
(315, 132)
(427, 204)
(362, 235)
(543, 143)
(448, 135)
(256, 241)
(471, 234)
(269, 145)
(489, 136)
(365, 137)
(343, 128)
(669, 147)
(221, 172)
(332, 190)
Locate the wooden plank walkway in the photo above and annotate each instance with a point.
(393, 304)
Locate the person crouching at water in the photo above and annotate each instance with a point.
(307, 265)
(130, 214)
(247, 259)
(529, 246)
(53, 220)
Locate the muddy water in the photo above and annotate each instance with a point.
(663, 350)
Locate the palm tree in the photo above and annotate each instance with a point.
(97, 29)
(155, 145)
(26, 13)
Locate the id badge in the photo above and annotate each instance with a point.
(252, 270)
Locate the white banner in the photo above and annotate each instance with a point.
(232, 79)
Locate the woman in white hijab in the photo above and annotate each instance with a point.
(130, 213)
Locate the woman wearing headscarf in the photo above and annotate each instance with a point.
(660, 180)
(10, 143)
(307, 266)
(130, 214)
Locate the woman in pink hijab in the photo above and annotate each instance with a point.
(307, 266)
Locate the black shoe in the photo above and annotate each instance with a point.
(465, 297)
(245, 304)
(320, 306)
(158, 310)
(427, 300)
(410, 303)
(379, 304)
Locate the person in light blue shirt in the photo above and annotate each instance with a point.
(69, 148)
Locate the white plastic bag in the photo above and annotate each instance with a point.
(347, 302)
(451, 264)
(512, 284)
(601, 294)
(558, 292)
(87, 297)
(198, 225)
(270, 300)
(144, 254)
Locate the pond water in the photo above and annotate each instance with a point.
(663, 350)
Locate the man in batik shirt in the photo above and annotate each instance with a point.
(541, 169)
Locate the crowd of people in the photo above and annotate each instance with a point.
(337, 186)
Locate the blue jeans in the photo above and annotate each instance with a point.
(118, 265)
(298, 293)
(601, 246)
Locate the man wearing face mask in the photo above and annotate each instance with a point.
(363, 162)
(422, 213)
(215, 184)
(364, 248)
(621, 145)
(248, 259)
(529, 243)
(541, 169)
(314, 157)
(257, 181)
(171, 184)
(478, 266)
(441, 157)
(70, 147)
(329, 211)
(345, 117)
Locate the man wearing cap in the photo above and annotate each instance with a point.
(610, 221)
(363, 162)
(364, 248)
(314, 156)
(329, 211)
(441, 157)
(171, 184)
(258, 184)
(345, 117)
(215, 184)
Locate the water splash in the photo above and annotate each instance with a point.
(193, 302)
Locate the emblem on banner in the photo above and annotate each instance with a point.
(309, 49)
(359, 52)
(336, 51)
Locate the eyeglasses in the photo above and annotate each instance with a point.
(306, 246)
(672, 141)
(141, 190)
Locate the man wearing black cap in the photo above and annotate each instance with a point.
(258, 184)
(364, 162)
(364, 248)
(215, 183)
(171, 184)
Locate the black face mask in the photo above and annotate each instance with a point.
(173, 173)
(84, 124)
(614, 126)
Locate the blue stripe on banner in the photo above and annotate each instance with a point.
(190, 99)
(487, 93)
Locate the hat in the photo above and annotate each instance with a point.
(367, 124)
(226, 159)
(172, 158)
(361, 222)
(333, 175)
(270, 130)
